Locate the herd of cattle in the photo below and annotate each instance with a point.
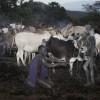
(65, 44)
(7, 34)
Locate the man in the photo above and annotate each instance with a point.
(39, 67)
(89, 65)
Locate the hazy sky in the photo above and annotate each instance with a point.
(60, 1)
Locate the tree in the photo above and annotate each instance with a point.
(92, 18)
(24, 12)
(93, 14)
(33, 13)
(93, 8)
(7, 5)
(88, 7)
(56, 10)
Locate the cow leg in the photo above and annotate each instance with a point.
(10, 51)
(15, 53)
(71, 67)
(33, 55)
(4, 50)
(30, 57)
(72, 60)
(18, 58)
(22, 58)
(92, 70)
(85, 67)
(25, 56)
(79, 64)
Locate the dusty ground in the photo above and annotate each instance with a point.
(12, 80)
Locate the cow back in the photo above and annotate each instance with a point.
(60, 48)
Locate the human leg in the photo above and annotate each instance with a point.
(85, 67)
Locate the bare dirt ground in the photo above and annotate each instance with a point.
(65, 87)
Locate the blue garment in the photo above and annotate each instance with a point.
(32, 77)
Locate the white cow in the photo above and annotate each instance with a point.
(5, 30)
(17, 27)
(97, 38)
(28, 42)
(13, 25)
(71, 29)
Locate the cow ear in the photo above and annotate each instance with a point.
(70, 25)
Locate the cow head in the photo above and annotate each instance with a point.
(67, 30)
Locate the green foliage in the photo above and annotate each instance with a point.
(33, 13)
(91, 18)
(93, 15)
(75, 16)
(36, 13)
(57, 11)
(7, 5)
(95, 7)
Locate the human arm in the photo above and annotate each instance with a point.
(50, 65)
(49, 59)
